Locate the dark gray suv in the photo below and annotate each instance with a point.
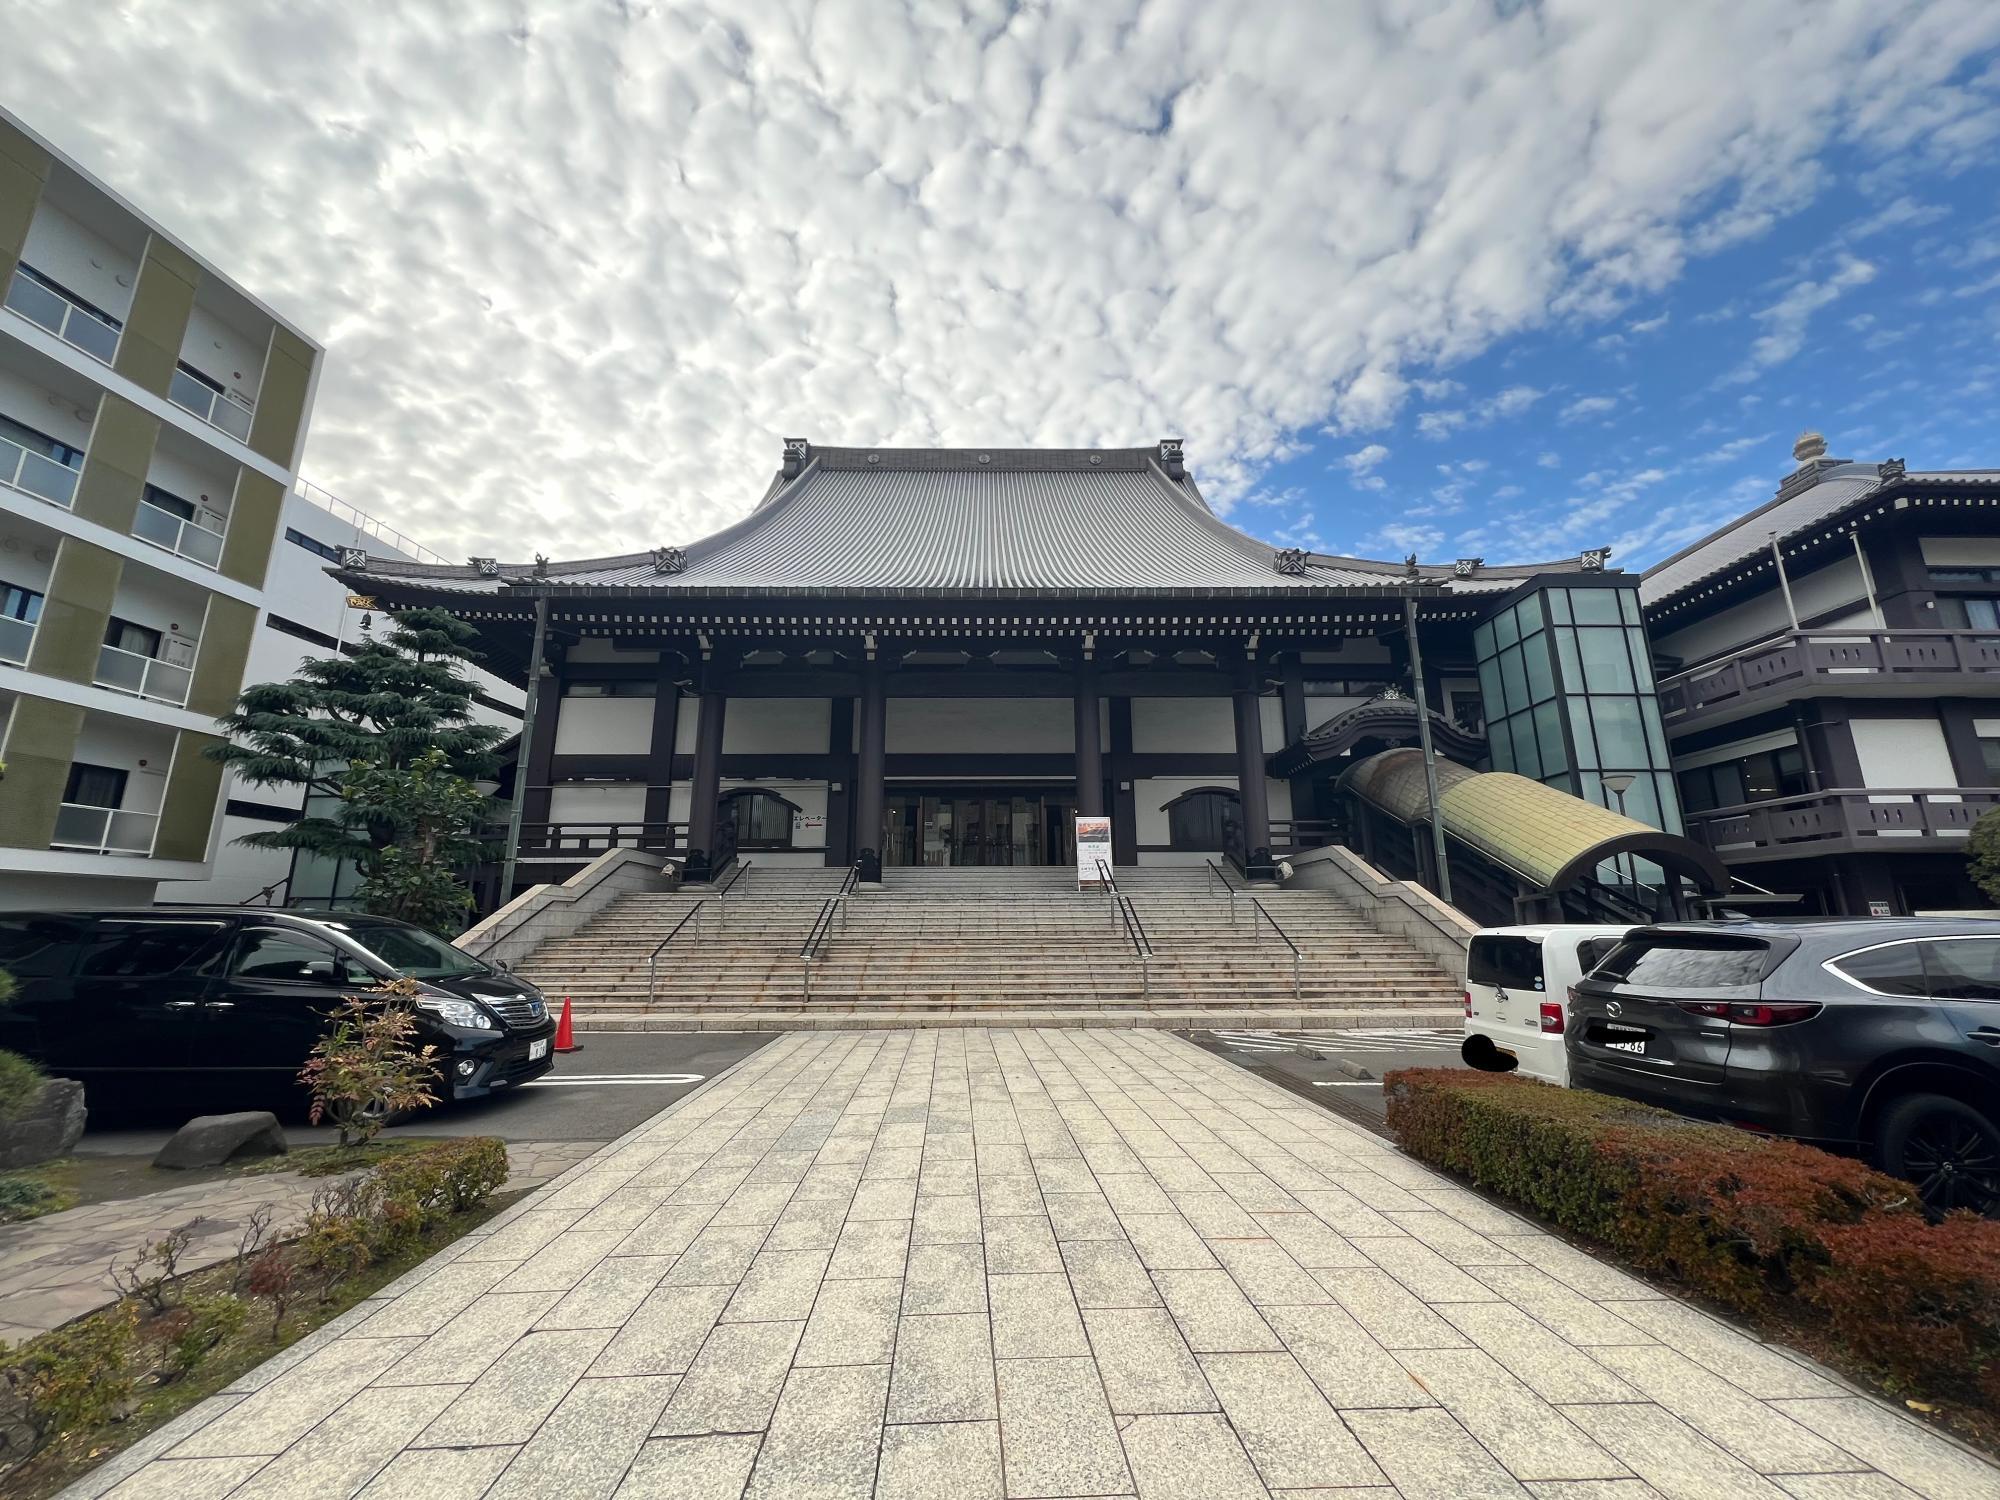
(1878, 1036)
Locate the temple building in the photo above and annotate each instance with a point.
(944, 656)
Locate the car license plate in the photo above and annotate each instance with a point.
(538, 1050)
(1639, 1046)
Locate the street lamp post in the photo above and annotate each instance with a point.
(1618, 783)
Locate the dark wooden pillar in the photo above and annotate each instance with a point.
(1089, 743)
(537, 764)
(840, 784)
(660, 752)
(1124, 798)
(868, 771)
(1252, 802)
(1305, 791)
(705, 786)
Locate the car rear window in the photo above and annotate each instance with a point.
(1590, 952)
(1892, 969)
(1681, 961)
(38, 947)
(1508, 963)
(135, 950)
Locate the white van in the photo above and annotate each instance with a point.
(1517, 980)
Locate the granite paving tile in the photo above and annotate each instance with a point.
(1393, 1315)
(943, 1369)
(1306, 1238)
(945, 1279)
(940, 1461)
(1189, 1457)
(947, 1219)
(779, 1287)
(1146, 1365)
(1349, 1367)
(692, 1468)
(1767, 1440)
(734, 1382)
(1010, 1194)
(188, 1478)
(608, 1292)
(1057, 1436)
(667, 1230)
(718, 1256)
(1528, 1435)
(1567, 1313)
(1212, 1312)
(1670, 1455)
(868, 1249)
(459, 1352)
(1268, 1276)
(1843, 1487)
(665, 1333)
(852, 1322)
(1291, 1433)
(1083, 1216)
(584, 1448)
(1034, 1316)
(273, 1418)
(824, 1436)
(1021, 1243)
(1897, 1446)
(1166, 1242)
(1427, 1453)
(510, 1400)
(1107, 1273)
(1553, 1369)
(1720, 1349)
(1430, 1275)
(440, 1474)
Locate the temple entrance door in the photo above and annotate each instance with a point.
(979, 826)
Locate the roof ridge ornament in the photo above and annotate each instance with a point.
(486, 567)
(541, 565)
(1892, 469)
(1593, 559)
(669, 560)
(1410, 568)
(1173, 456)
(1465, 567)
(354, 557)
(797, 452)
(1291, 561)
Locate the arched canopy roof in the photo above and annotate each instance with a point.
(1391, 719)
(1548, 837)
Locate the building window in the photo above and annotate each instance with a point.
(19, 604)
(35, 441)
(169, 502)
(1196, 819)
(95, 786)
(763, 819)
(611, 687)
(1989, 751)
(1761, 777)
(312, 544)
(140, 640)
(1968, 612)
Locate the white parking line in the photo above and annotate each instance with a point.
(591, 1080)
(1344, 1083)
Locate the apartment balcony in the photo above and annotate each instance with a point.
(16, 637)
(1877, 819)
(194, 394)
(198, 538)
(104, 830)
(80, 326)
(1843, 663)
(144, 676)
(37, 474)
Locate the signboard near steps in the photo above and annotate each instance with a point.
(1093, 846)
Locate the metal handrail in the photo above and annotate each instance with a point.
(721, 892)
(1258, 907)
(1142, 946)
(1232, 892)
(653, 958)
(832, 911)
(1110, 883)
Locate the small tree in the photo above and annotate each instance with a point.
(434, 814)
(1983, 855)
(366, 1067)
(387, 705)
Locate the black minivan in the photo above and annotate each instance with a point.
(228, 1001)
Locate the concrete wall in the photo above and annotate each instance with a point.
(543, 912)
(64, 250)
(1397, 907)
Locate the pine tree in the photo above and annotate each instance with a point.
(385, 705)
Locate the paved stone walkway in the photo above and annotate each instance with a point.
(58, 1267)
(939, 1265)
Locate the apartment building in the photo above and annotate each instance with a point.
(1829, 682)
(151, 418)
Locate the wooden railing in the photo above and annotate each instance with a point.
(587, 840)
(1901, 815)
(1825, 656)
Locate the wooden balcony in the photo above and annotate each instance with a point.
(1879, 820)
(1860, 663)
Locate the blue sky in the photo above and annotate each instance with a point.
(1871, 314)
(1504, 278)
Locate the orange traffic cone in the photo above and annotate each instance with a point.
(565, 1038)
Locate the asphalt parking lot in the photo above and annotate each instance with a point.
(1310, 1063)
(614, 1081)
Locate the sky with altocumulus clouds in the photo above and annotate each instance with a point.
(1475, 277)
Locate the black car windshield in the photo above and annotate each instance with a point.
(411, 950)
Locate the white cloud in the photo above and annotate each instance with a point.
(1550, 461)
(1585, 407)
(1650, 325)
(1735, 448)
(1786, 320)
(1511, 402)
(1406, 539)
(1361, 465)
(580, 268)
(1508, 492)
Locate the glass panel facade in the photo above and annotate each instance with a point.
(1568, 690)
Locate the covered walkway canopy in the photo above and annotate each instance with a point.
(1547, 838)
(1386, 720)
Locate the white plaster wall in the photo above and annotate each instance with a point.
(685, 719)
(239, 872)
(1162, 726)
(596, 650)
(231, 356)
(603, 726)
(1903, 753)
(92, 267)
(154, 599)
(598, 802)
(1814, 593)
(34, 405)
(771, 726)
(27, 555)
(199, 478)
(1961, 551)
(993, 726)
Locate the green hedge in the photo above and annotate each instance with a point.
(1762, 1226)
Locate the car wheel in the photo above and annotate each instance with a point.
(1948, 1149)
(1478, 1051)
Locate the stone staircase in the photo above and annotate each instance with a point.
(986, 946)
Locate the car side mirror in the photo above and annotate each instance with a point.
(503, 966)
(321, 968)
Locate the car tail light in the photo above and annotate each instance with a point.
(1552, 1015)
(1468, 1002)
(1750, 1013)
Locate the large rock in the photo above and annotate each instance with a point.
(48, 1130)
(211, 1140)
